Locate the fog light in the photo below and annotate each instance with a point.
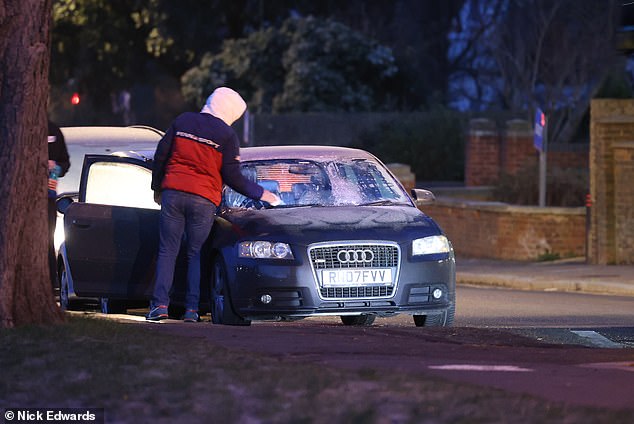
(266, 299)
(437, 293)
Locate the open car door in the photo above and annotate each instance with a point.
(111, 234)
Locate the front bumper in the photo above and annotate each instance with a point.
(269, 290)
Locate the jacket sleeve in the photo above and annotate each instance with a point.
(163, 151)
(231, 174)
(59, 152)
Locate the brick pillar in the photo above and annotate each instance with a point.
(624, 201)
(611, 124)
(482, 156)
(518, 150)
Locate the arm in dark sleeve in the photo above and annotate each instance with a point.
(59, 153)
(163, 150)
(231, 174)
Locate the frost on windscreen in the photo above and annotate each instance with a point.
(347, 192)
(364, 181)
(329, 182)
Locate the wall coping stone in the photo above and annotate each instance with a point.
(500, 207)
(482, 127)
(604, 110)
(519, 127)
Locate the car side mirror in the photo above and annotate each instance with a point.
(422, 197)
(64, 200)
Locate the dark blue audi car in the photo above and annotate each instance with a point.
(347, 241)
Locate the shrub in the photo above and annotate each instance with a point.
(432, 143)
(564, 187)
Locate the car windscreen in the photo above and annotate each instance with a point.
(321, 183)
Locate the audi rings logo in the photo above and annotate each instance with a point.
(355, 256)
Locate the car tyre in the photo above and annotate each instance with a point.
(111, 306)
(443, 319)
(220, 300)
(64, 299)
(358, 320)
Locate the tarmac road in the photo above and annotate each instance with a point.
(552, 362)
(577, 375)
(529, 358)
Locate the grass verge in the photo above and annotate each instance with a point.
(141, 376)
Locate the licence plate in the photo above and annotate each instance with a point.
(339, 277)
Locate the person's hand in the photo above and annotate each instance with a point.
(271, 198)
(52, 184)
(157, 197)
(51, 164)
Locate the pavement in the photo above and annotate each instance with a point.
(570, 275)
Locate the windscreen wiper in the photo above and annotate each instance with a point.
(384, 202)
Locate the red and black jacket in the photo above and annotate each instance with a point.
(198, 154)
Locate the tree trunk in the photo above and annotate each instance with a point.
(26, 295)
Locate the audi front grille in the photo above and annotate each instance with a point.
(355, 270)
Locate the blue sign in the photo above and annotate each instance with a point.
(540, 123)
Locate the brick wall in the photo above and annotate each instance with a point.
(611, 177)
(501, 231)
(491, 151)
(624, 202)
(482, 156)
(517, 147)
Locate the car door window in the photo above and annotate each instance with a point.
(120, 184)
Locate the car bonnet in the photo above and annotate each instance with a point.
(312, 224)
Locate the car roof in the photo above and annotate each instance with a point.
(111, 136)
(138, 142)
(247, 154)
(302, 152)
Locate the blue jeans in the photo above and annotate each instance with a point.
(193, 216)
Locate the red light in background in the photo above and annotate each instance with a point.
(74, 100)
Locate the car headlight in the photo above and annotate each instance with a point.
(265, 250)
(430, 245)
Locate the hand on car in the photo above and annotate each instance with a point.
(271, 198)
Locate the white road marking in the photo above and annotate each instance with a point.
(623, 366)
(472, 367)
(597, 339)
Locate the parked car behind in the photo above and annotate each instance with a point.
(348, 241)
(99, 140)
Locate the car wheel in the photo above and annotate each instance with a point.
(443, 319)
(64, 301)
(219, 298)
(110, 306)
(358, 320)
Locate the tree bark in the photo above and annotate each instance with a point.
(26, 295)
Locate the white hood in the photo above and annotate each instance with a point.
(226, 104)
